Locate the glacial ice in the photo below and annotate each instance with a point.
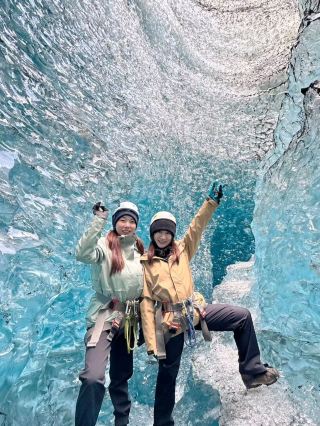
(276, 405)
(286, 224)
(150, 101)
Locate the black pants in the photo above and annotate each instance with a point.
(220, 317)
(93, 379)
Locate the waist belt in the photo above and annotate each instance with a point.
(128, 310)
(172, 307)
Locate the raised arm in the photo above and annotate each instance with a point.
(87, 250)
(193, 235)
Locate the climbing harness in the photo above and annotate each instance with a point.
(200, 304)
(187, 314)
(183, 318)
(127, 317)
(131, 324)
(115, 326)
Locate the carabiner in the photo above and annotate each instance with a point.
(128, 308)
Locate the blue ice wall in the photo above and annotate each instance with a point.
(286, 221)
(143, 100)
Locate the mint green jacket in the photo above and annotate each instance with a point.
(123, 286)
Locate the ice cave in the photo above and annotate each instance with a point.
(151, 101)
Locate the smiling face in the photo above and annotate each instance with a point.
(162, 238)
(126, 225)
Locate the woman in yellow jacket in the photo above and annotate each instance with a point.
(171, 310)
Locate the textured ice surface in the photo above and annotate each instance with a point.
(218, 365)
(146, 100)
(287, 226)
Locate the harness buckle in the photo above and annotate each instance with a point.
(128, 308)
(136, 308)
(115, 325)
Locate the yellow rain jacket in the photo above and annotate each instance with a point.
(165, 281)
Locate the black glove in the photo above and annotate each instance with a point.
(98, 207)
(152, 358)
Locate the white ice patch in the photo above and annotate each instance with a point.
(40, 200)
(16, 239)
(7, 160)
(18, 233)
(5, 248)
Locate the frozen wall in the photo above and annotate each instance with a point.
(287, 224)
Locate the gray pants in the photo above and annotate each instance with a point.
(220, 317)
(92, 390)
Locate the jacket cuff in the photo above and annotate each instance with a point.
(212, 202)
(99, 220)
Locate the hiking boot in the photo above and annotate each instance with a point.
(267, 378)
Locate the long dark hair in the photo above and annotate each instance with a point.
(175, 253)
(117, 261)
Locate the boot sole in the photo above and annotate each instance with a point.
(260, 384)
(271, 383)
(254, 386)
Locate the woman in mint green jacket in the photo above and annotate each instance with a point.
(112, 316)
